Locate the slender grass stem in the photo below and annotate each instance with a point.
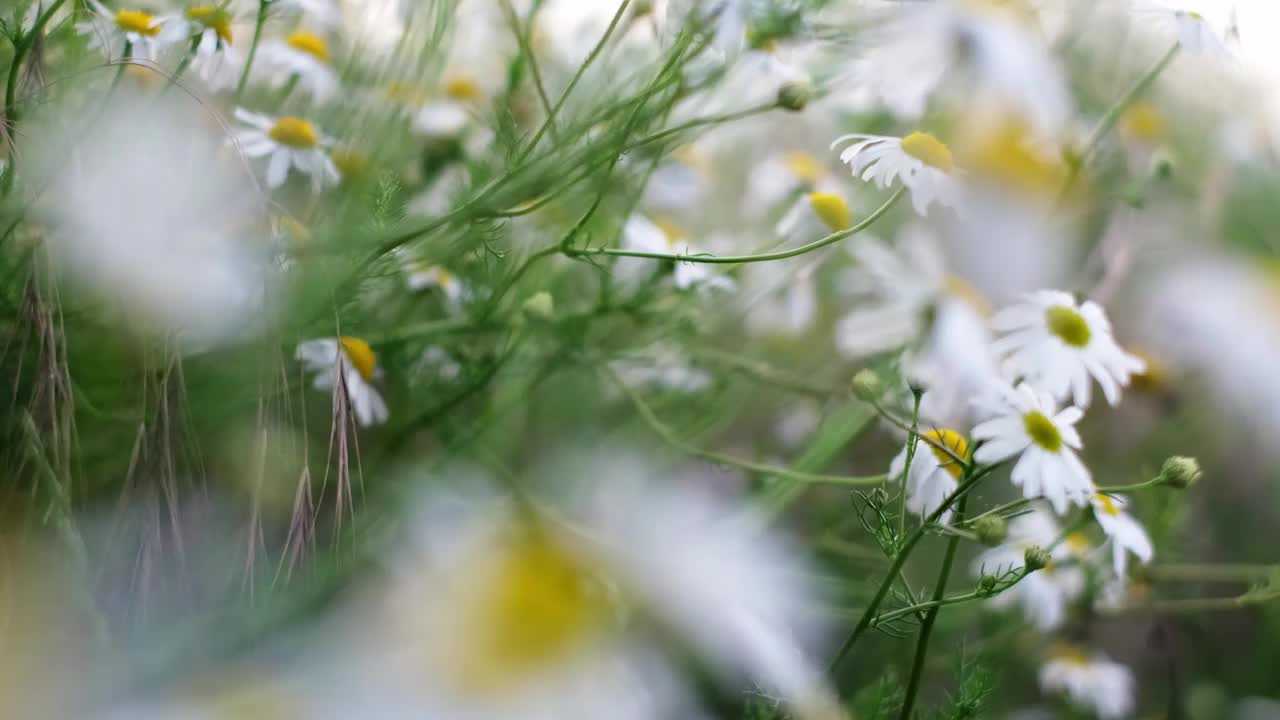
(259, 23)
(741, 259)
(926, 629)
(522, 38)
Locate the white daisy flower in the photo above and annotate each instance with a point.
(781, 297)
(287, 142)
(1091, 681)
(934, 473)
(448, 115)
(907, 298)
(112, 32)
(355, 362)
(421, 276)
(1125, 533)
(215, 60)
(644, 235)
(304, 56)
(1045, 594)
(921, 162)
(1058, 345)
(322, 12)
(1028, 424)
(783, 176)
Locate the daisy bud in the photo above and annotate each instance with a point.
(1179, 472)
(867, 386)
(540, 306)
(1036, 558)
(795, 95)
(991, 530)
(987, 583)
(1163, 164)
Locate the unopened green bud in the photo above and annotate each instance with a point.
(1163, 164)
(540, 305)
(1036, 558)
(1179, 472)
(867, 386)
(987, 583)
(991, 530)
(795, 95)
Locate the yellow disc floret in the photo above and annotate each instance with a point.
(294, 132)
(1108, 505)
(1042, 431)
(953, 441)
(1068, 325)
(1143, 121)
(360, 355)
(136, 21)
(311, 44)
(832, 210)
(804, 166)
(929, 150)
(533, 603)
(462, 87)
(214, 18)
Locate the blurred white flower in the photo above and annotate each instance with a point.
(302, 58)
(984, 54)
(1028, 424)
(920, 161)
(644, 235)
(1124, 532)
(321, 12)
(215, 61)
(287, 142)
(1057, 345)
(781, 297)
(139, 31)
(352, 361)
(783, 176)
(1194, 33)
(934, 472)
(1044, 594)
(151, 217)
(421, 276)
(1091, 681)
(661, 366)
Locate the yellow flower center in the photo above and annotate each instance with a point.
(535, 603)
(671, 230)
(462, 87)
(1069, 653)
(360, 355)
(1042, 431)
(136, 21)
(350, 162)
(1077, 542)
(929, 150)
(1143, 121)
(832, 210)
(310, 43)
(1154, 379)
(961, 289)
(804, 166)
(954, 442)
(1108, 505)
(215, 18)
(294, 132)
(1068, 325)
(1007, 156)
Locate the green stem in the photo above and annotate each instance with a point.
(926, 629)
(573, 82)
(892, 575)
(671, 438)
(1002, 509)
(522, 38)
(1130, 488)
(1209, 572)
(740, 259)
(261, 20)
(1112, 116)
(11, 112)
(912, 441)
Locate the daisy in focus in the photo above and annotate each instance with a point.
(352, 362)
(1028, 424)
(1045, 594)
(302, 58)
(1123, 531)
(287, 142)
(921, 162)
(138, 31)
(1090, 680)
(935, 470)
(1058, 345)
